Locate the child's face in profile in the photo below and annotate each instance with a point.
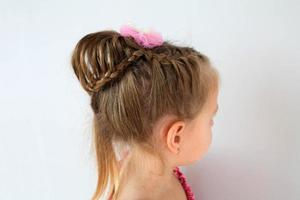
(199, 133)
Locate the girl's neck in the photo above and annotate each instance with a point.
(143, 174)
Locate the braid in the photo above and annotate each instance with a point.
(105, 56)
(121, 67)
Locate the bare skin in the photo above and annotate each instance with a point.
(147, 184)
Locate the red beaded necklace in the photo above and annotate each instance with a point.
(186, 187)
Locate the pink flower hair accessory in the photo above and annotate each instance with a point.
(146, 39)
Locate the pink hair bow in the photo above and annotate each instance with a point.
(145, 39)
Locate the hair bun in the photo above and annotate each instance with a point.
(101, 57)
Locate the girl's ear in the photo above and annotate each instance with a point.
(174, 135)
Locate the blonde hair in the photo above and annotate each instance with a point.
(131, 87)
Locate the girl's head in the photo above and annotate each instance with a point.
(158, 100)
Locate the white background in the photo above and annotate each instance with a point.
(45, 133)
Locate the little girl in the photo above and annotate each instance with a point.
(153, 104)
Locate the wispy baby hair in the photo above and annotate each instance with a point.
(132, 87)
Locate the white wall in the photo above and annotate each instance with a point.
(45, 150)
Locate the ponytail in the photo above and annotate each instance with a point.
(106, 161)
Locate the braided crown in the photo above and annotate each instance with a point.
(102, 57)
